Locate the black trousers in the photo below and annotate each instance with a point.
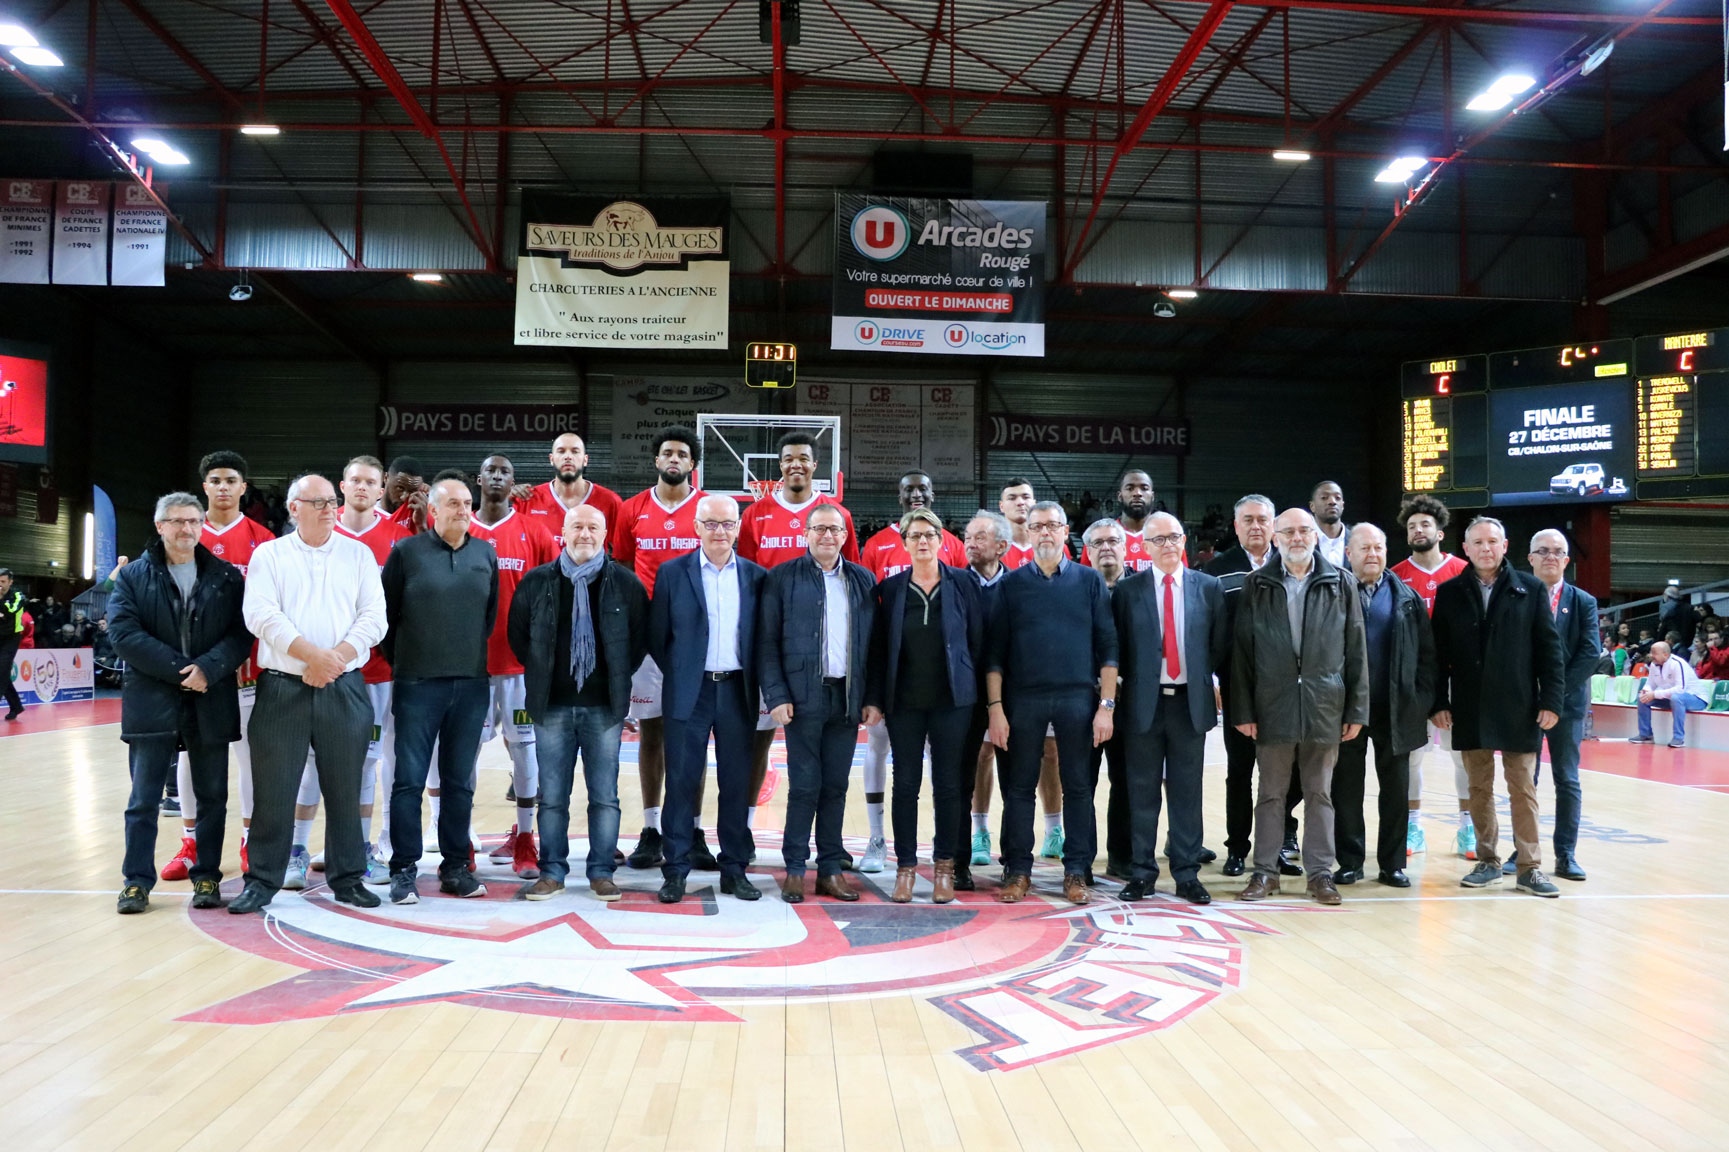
(721, 709)
(153, 762)
(1070, 712)
(1113, 756)
(820, 742)
(951, 759)
(974, 740)
(8, 653)
(335, 722)
(1240, 795)
(1169, 753)
(1393, 773)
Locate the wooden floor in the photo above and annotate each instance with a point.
(1433, 1018)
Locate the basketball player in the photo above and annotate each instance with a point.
(569, 488)
(773, 533)
(1425, 520)
(229, 536)
(653, 526)
(522, 543)
(405, 493)
(1014, 502)
(1135, 498)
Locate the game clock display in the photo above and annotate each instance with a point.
(770, 365)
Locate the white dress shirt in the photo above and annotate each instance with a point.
(1182, 676)
(837, 621)
(325, 595)
(720, 590)
(1333, 548)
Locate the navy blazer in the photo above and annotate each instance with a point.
(1137, 603)
(1581, 645)
(790, 656)
(964, 609)
(678, 630)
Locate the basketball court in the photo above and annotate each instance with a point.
(1427, 1018)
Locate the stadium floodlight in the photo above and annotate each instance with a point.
(1500, 94)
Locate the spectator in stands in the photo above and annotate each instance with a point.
(48, 620)
(1715, 663)
(27, 632)
(1675, 614)
(67, 636)
(1642, 648)
(81, 624)
(1671, 683)
(108, 667)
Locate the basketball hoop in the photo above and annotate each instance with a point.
(762, 489)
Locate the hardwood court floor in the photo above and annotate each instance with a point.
(1433, 1018)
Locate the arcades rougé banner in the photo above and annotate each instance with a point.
(952, 277)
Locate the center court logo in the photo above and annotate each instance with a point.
(1033, 981)
(881, 232)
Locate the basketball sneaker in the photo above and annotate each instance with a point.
(505, 852)
(876, 855)
(377, 871)
(1415, 840)
(245, 860)
(981, 846)
(318, 861)
(527, 858)
(1465, 842)
(299, 863)
(1053, 845)
(177, 868)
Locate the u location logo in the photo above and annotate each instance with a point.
(955, 335)
(881, 232)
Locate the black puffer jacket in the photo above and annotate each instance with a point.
(1499, 666)
(1305, 700)
(621, 631)
(144, 623)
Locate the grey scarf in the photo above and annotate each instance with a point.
(581, 623)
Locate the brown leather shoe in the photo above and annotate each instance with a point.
(792, 888)
(1075, 888)
(942, 881)
(1322, 889)
(1014, 888)
(1259, 887)
(835, 887)
(904, 880)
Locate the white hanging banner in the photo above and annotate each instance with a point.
(26, 220)
(140, 238)
(81, 231)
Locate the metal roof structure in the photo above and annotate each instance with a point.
(409, 126)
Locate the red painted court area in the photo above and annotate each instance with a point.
(64, 716)
(1687, 767)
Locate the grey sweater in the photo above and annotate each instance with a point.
(440, 603)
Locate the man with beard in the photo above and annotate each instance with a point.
(546, 504)
(1327, 506)
(1015, 502)
(988, 538)
(405, 493)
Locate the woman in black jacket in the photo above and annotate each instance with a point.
(925, 652)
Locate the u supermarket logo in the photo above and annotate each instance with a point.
(867, 332)
(881, 232)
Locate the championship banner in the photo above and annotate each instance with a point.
(140, 238)
(890, 429)
(81, 231)
(1116, 435)
(596, 272)
(957, 277)
(488, 422)
(50, 675)
(26, 217)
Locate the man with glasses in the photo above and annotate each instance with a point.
(1052, 664)
(988, 537)
(1104, 547)
(315, 602)
(1299, 686)
(706, 602)
(1500, 685)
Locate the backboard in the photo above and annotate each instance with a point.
(738, 449)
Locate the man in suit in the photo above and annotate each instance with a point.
(1499, 686)
(1575, 614)
(702, 635)
(1171, 635)
(1253, 523)
(812, 643)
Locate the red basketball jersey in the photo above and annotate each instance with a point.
(1423, 582)
(649, 533)
(379, 537)
(773, 530)
(236, 543)
(521, 545)
(885, 553)
(546, 508)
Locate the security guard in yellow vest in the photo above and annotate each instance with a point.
(11, 632)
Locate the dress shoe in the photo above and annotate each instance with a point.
(1119, 870)
(546, 888)
(1233, 866)
(701, 859)
(1194, 892)
(252, 898)
(1322, 889)
(672, 891)
(835, 887)
(1259, 887)
(356, 895)
(1135, 890)
(1394, 879)
(1568, 868)
(792, 887)
(942, 881)
(739, 885)
(1207, 856)
(905, 878)
(1347, 875)
(1014, 889)
(964, 881)
(1288, 865)
(1075, 888)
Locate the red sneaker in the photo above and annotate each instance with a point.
(505, 852)
(527, 861)
(181, 865)
(245, 862)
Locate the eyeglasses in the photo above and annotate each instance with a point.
(1550, 553)
(717, 525)
(321, 503)
(182, 522)
(921, 537)
(1165, 541)
(1048, 526)
(827, 530)
(1303, 530)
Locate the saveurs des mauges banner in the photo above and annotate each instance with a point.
(604, 272)
(955, 277)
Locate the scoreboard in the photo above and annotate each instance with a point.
(1604, 420)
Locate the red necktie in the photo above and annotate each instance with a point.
(1173, 665)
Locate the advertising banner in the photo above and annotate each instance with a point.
(642, 405)
(81, 231)
(51, 675)
(1563, 444)
(479, 421)
(954, 277)
(26, 223)
(1111, 434)
(140, 237)
(599, 272)
(23, 408)
(889, 429)
(107, 549)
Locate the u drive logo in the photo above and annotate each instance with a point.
(881, 232)
(867, 332)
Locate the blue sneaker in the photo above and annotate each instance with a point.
(1053, 846)
(1415, 840)
(1466, 842)
(299, 863)
(981, 846)
(377, 871)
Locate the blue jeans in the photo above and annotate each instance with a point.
(1680, 704)
(451, 711)
(1071, 713)
(1563, 741)
(152, 760)
(559, 736)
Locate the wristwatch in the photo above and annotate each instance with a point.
(1108, 705)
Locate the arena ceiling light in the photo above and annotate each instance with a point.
(1181, 293)
(1401, 170)
(37, 57)
(160, 150)
(260, 130)
(16, 36)
(428, 277)
(1500, 94)
(1291, 155)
